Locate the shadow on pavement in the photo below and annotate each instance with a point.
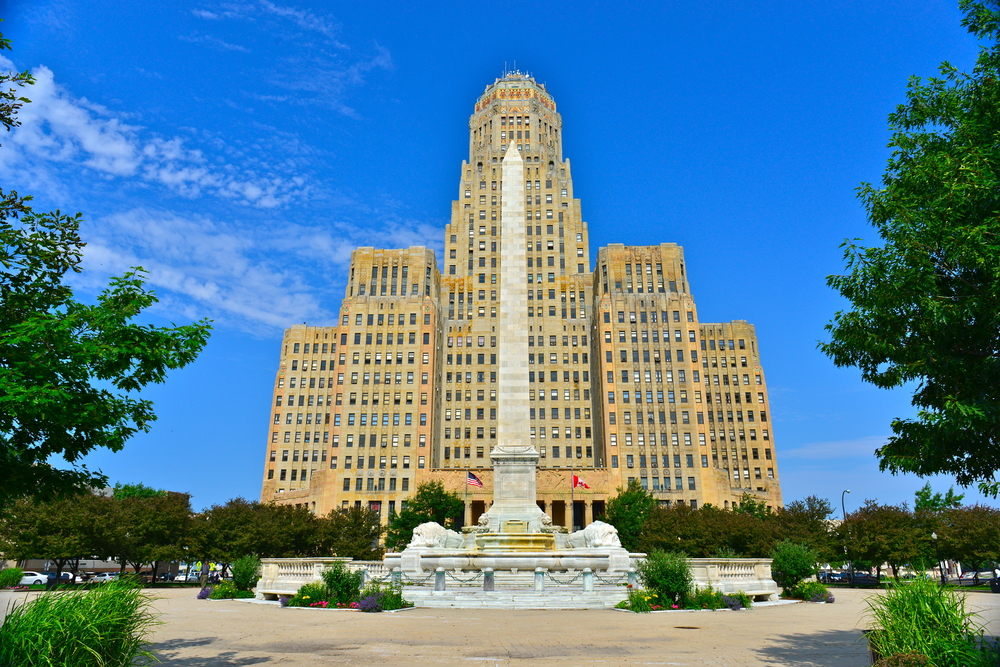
(171, 653)
(828, 648)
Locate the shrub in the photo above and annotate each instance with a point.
(736, 601)
(308, 594)
(227, 590)
(342, 585)
(639, 601)
(107, 625)
(246, 571)
(705, 598)
(922, 617)
(378, 597)
(811, 591)
(791, 563)
(667, 575)
(10, 577)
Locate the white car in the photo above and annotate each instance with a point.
(105, 577)
(33, 578)
(189, 577)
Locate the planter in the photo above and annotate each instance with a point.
(873, 654)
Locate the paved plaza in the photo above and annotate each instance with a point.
(198, 633)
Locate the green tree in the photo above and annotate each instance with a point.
(148, 529)
(877, 534)
(62, 531)
(70, 372)
(430, 503)
(225, 532)
(791, 563)
(122, 491)
(925, 304)
(353, 532)
(628, 512)
(971, 535)
(807, 522)
(926, 500)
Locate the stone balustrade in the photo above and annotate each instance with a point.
(284, 576)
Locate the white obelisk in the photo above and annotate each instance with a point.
(514, 457)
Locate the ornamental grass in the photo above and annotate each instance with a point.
(104, 626)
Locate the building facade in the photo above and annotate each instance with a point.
(626, 382)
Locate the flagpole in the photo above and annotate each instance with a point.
(572, 499)
(466, 497)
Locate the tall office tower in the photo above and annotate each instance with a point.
(624, 381)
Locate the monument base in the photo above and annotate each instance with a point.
(515, 542)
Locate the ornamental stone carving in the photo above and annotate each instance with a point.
(596, 535)
(434, 535)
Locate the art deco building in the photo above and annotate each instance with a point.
(627, 383)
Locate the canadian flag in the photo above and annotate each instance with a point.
(579, 482)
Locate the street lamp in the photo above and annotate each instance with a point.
(937, 556)
(843, 514)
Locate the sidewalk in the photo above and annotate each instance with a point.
(199, 633)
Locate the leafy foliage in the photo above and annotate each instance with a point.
(352, 533)
(227, 590)
(628, 512)
(925, 305)
(108, 625)
(307, 594)
(10, 577)
(792, 563)
(667, 575)
(926, 500)
(931, 620)
(382, 597)
(342, 585)
(430, 503)
(877, 534)
(70, 371)
(246, 571)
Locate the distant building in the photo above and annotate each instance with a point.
(626, 382)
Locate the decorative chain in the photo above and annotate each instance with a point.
(617, 582)
(419, 581)
(564, 583)
(464, 581)
(384, 578)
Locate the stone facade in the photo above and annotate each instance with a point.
(625, 382)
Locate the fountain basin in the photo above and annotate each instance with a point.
(514, 542)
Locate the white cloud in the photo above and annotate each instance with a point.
(63, 131)
(858, 447)
(305, 19)
(201, 267)
(214, 42)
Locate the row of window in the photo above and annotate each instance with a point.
(649, 417)
(372, 440)
(656, 376)
(480, 433)
(393, 462)
(364, 417)
(644, 337)
(386, 378)
(305, 400)
(309, 436)
(377, 484)
(568, 432)
(554, 376)
(641, 439)
(554, 358)
(321, 418)
(653, 462)
(569, 413)
(382, 319)
(642, 316)
(376, 339)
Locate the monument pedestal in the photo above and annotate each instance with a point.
(514, 509)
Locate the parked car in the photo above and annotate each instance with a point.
(32, 579)
(166, 576)
(105, 577)
(65, 577)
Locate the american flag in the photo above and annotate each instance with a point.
(472, 480)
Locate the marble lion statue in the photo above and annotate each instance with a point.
(434, 535)
(597, 534)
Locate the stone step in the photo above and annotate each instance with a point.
(513, 600)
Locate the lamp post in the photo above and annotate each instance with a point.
(843, 514)
(937, 556)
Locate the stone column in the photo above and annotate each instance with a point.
(588, 513)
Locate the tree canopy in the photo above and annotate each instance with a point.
(430, 503)
(70, 372)
(925, 304)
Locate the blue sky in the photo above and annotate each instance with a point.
(240, 150)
